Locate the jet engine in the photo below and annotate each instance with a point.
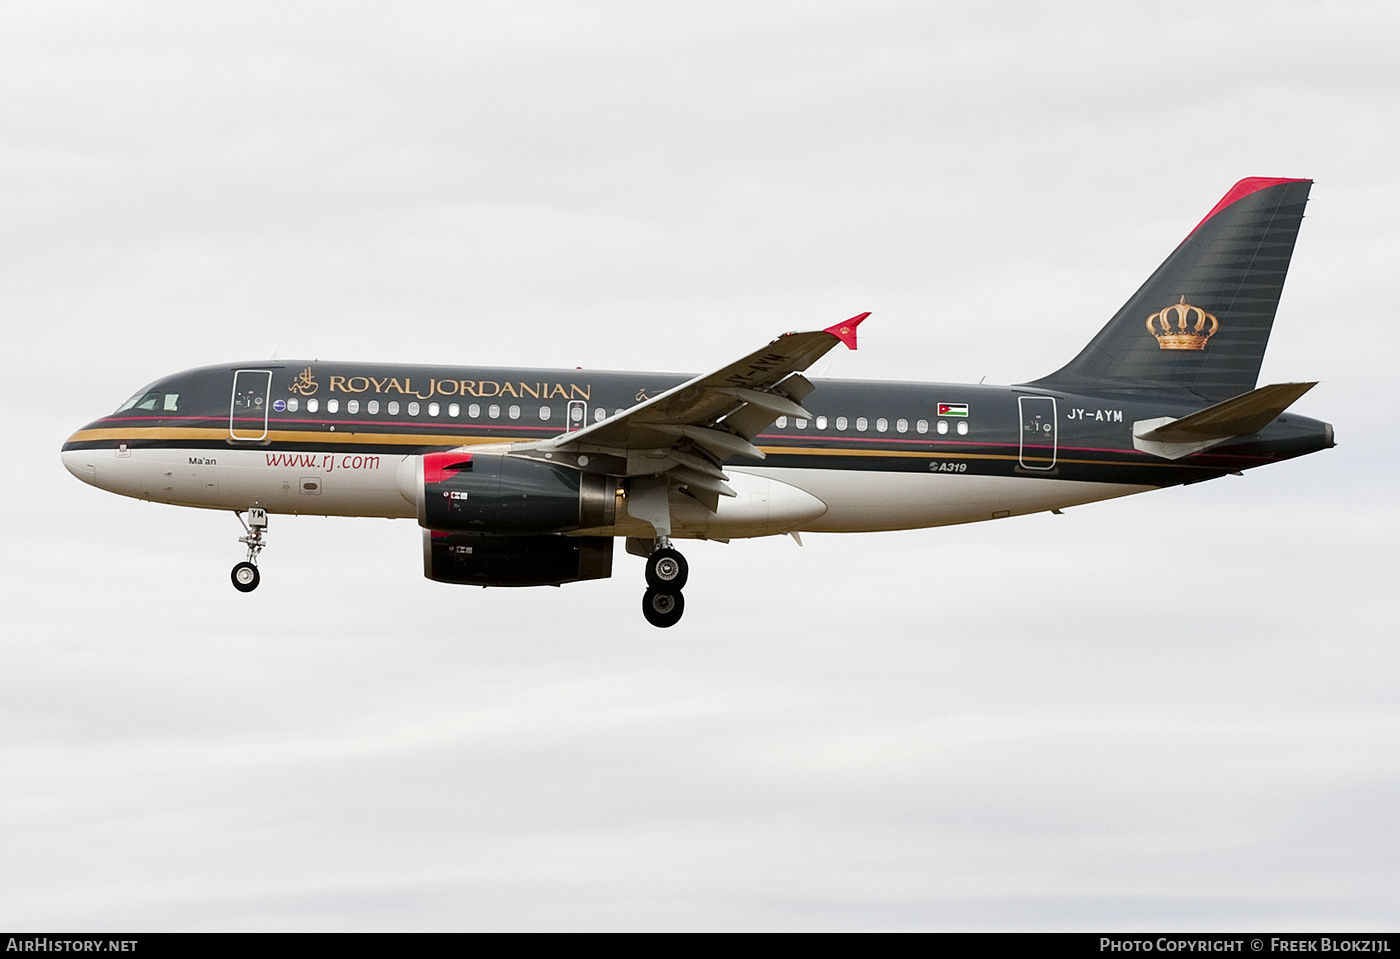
(492, 493)
(495, 520)
(484, 560)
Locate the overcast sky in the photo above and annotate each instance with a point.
(1175, 711)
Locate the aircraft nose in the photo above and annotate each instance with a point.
(82, 464)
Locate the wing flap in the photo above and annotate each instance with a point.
(716, 440)
(776, 403)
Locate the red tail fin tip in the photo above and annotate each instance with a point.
(846, 332)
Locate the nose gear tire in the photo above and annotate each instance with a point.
(245, 577)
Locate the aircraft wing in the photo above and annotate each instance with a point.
(689, 431)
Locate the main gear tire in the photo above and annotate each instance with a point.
(667, 570)
(663, 609)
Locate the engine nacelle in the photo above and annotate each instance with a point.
(494, 493)
(481, 559)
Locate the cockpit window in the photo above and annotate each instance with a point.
(141, 401)
(152, 400)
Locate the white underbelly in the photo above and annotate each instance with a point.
(329, 484)
(867, 501)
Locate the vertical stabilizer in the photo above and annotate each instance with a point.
(1201, 322)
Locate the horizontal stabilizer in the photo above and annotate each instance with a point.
(1248, 413)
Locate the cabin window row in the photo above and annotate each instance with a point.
(414, 408)
(577, 414)
(862, 425)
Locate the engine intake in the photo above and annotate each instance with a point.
(493, 493)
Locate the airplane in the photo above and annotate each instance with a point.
(525, 477)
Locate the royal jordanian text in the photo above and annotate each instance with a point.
(477, 388)
(70, 945)
(1319, 944)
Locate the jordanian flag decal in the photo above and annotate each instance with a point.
(952, 409)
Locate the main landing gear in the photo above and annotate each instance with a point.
(245, 575)
(667, 571)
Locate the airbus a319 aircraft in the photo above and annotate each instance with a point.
(525, 477)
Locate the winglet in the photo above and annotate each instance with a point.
(846, 332)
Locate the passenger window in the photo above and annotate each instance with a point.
(544, 413)
(800, 423)
(434, 409)
(902, 426)
(352, 406)
(332, 406)
(881, 425)
(781, 422)
(840, 422)
(474, 410)
(454, 410)
(599, 414)
(413, 408)
(312, 405)
(862, 423)
(515, 412)
(393, 407)
(373, 407)
(493, 411)
(962, 427)
(821, 422)
(942, 426)
(293, 405)
(921, 426)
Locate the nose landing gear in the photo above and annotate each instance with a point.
(667, 572)
(245, 575)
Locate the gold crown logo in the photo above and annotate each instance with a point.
(1182, 326)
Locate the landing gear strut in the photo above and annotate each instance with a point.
(245, 575)
(667, 571)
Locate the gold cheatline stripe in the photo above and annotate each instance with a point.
(442, 439)
(884, 454)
